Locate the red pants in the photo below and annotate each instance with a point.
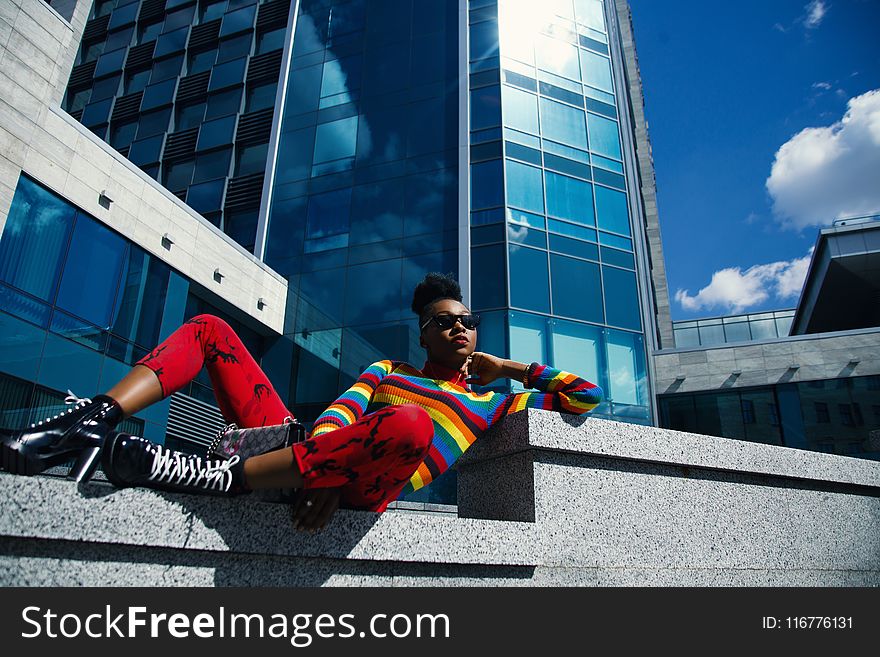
(371, 459)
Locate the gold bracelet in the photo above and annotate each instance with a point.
(525, 376)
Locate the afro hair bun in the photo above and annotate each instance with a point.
(435, 286)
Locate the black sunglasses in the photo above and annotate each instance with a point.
(445, 322)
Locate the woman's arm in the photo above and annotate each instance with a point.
(352, 404)
(557, 390)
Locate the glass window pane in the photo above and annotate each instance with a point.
(136, 81)
(710, 335)
(520, 109)
(603, 136)
(171, 42)
(488, 288)
(212, 165)
(96, 113)
(557, 57)
(596, 71)
(519, 234)
(485, 108)
(328, 213)
(376, 212)
(569, 198)
(146, 151)
(590, 13)
(251, 159)
(268, 41)
(92, 272)
(618, 258)
(228, 74)
(167, 68)
(525, 188)
(763, 329)
(626, 368)
(564, 124)
(484, 40)
(154, 123)
(612, 210)
(110, 62)
(189, 116)
(157, 95)
(206, 197)
(737, 332)
(576, 289)
(486, 185)
(236, 21)
(783, 325)
(385, 140)
(177, 175)
(574, 247)
(179, 18)
(577, 348)
(572, 230)
(621, 298)
(380, 300)
(341, 76)
(528, 336)
(239, 46)
(201, 61)
(687, 337)
(105, 88)
(121, 134)
(223, 103)
(529, 279)
(260, 97)
(336, 140)
(35, 240)
(216, 133)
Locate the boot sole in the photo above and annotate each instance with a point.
(14, 461)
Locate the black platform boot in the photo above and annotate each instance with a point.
(134, 461)
(78, 432)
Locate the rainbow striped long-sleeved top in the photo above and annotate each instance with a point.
(459, 415)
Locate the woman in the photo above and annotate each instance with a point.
(395, 430)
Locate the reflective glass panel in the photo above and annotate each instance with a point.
(577, 292)
(336, 140)
(157, 95)
(485, 108)
(35, 240)
(520, 109)
(216, 133)
(223, 103)
(236, 21)
(212, 165)
(564, 124)
(268, 41)
(92, 272)
(136, 81)
(146, 151)
(486, 185)
(525, 188)
(711, 334)
(627, 383)
(484, 40)
(379, 299)
(529, 279)
(110, 62)
(189, 116)
(328, 213)
(488, 285)
(206, 197)
(557, 57)
(737, 332)
(578, 348)
(621, 298)
(171, 42)
(227, 74)
(260, 97)
(612, 211)
(604, 138)
(250, 159)
(596, 71)
(177, 175)
(569, 198)
(528, 338)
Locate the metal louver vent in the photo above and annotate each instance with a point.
(82, 75)
(181, 144)
(193, 87)
(245, 191)
(204, 36)
(96, 29)
(150, 10)
(273, 14)
(193, 421)
(264, 67)
(255, 126)
(140, 56)
(127, 107)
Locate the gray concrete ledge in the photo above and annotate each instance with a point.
(544, 499)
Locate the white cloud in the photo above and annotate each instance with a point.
(825, 173)
(732, 290)
(816, 11)
(822, 85)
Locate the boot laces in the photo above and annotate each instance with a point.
(71, 400)
(173, 467)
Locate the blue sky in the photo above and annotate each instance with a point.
(735, 92)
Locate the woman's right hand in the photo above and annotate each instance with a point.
(313, 508)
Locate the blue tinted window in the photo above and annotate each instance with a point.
(201, 61)
(488, 286)
(167, 68)
(141, 300)
(431, 203)
(176, 19)
(238, 21)
(528, 339)
(612, 211)
(171, 42)
(146, 151)
(250, 159)
(487, 234)
(21, 348)
(525, 188)
(379, 299)
(621, 298)
(376, 212)
(110, 62)
(626, 360)
(177, 175)
(304, 90)
(286, 226)
(157, 95)
(260, 97)
(92, 272)
(443, 124)
(341, 76)
(385, 140)
(336, 140)
(492, 334)
(230, 73)
(485, 108)
(268, 41)
(603, 136)
(67, 364)
(615, 240)
(557, 57)
(577, 292)
(572, 230)
(563, 123)
(189, 116)
(234, 48)
(136, 81)
(619, 258)
(596, 71)
(123, 16)
(574, 247)
(97, 113)
(383, 66)
(529, 279)
(206, 197)
(35, 240)
(216, 133)
(486, 185)
(105, 88)
(153, 123)
(520, 109)
(519, 234)
(484, 40)
(211, 10)
(569, 198)
(295, 158)
(212, 165)
(121, 134)
(223, 103)
(578, 348)
(526, 219)
(329, 213)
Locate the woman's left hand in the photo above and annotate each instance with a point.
(313, 508)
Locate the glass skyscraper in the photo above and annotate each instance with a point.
(355, 145)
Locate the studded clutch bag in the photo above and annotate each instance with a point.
(232, 441)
